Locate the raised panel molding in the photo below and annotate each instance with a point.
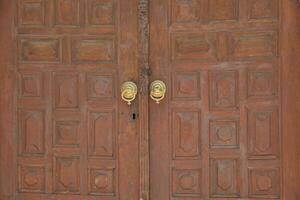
(186, 182)
(67, 12)
(101, 12)
(263, 133)
(223, 10)
(93, 50)
(224, 177)
(263, 9)
(264, 183)
(263, 81)
(224, 133)
(66, 90)
(193, 47)
(186, 134)
(32, 132)
(67, 174)
(66, 133)
(218, 11)
(40, 49)
(101, 134)
(186, 86)
(253, 45)
(223, 86)
(31, 13)
(31, 85)
(102, 181)
(101, 86)
(183, 11)
(31, 178)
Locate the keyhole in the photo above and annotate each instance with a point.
(133, 117)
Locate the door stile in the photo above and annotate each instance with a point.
(144, 72)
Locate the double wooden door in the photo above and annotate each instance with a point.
(230, 111)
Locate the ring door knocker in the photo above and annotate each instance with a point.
(158, 90)
(128, 91)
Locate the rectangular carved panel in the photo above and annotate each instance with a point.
(101, 12)
(186, 182)
(224, 178)
(102, 181)
(31, 85)
(67, 12)
(263, 81)
(183, 11)
(262, 9)
(223, 9)
(31, 132)
(31, 13)
(93, 50)
(66, 133)
(193, 47)
(101, 133)
(101, 86)
(264, 183)
(186, 134)
(186, 86)
(40, 50)
(67, 175)
(31, 178)
(263, 132)
(253, 45)
(223, 90)
(224, 133)
(66, 90)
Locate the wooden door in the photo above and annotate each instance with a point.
(227, 128)
(230, 70)
(66, 133)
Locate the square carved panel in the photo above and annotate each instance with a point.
(263, 9)
(31, 178)
(31, 12)
(101, 12)
(67, 12)
(101, 86)
(224, 133)
(185, 11)
(66, 133)
(31, 85)
(223, 9)
(264, 183)
(186, 86)
(186, 182)
(263, 81)
(102, 182)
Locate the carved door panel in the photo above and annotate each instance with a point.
(217, 135)
(72, 137)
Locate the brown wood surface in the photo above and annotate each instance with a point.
(290, 36)
(66, 133)
(227, 129)
(231, 69)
